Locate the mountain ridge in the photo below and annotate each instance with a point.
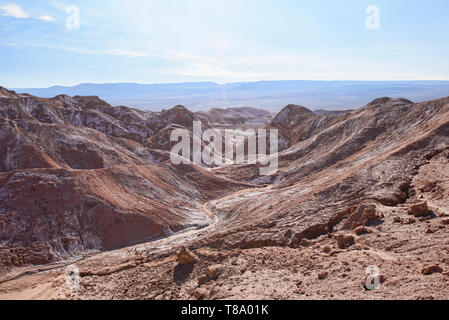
(270, 95)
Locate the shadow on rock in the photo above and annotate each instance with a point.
(182, 272)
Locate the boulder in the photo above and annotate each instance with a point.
(419, 210)
(428, 270)
(202, 279)
(185, 256)
(361, 216)
(361, 230)
(305, 242)
(322, 275)
(214, 271)
(327, 249)
(345, 241)
(200, 293)
(432, 229)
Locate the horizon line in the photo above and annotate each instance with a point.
(212, 82)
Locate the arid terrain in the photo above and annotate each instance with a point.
(88, 187)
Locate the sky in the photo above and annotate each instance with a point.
(165, 41)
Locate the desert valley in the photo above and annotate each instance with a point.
(88, 192)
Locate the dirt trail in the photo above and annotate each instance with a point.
(186, 236)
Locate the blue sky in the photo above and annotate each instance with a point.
(158, 41)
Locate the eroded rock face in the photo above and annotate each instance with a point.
(68, 212)
(362, 216)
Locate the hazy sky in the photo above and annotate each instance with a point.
(220, 40)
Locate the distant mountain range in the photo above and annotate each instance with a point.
(270, 95)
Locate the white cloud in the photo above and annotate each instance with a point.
(13, 10)
(46, 18)
(127, 53)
